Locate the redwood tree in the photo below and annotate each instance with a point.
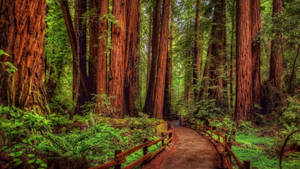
(168, 85)
(117, 58)
(244, 72)
(81, 34)
(255, 9)
(22, 25)
(276, 55)
(131, 58)
(197, 53)
(218, 50)
(155, 94)
(98, 46)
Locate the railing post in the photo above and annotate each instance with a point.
(145, 149)
(224, 141)
(162, 141)
(117, 159)
(211, 132)
(247, 164)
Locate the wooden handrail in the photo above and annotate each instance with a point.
(120, 157)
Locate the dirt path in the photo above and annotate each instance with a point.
(190, 151)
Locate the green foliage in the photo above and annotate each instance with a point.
(99, 104)
(31, 139)
(2, 52)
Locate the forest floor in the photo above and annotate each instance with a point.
(190, 151)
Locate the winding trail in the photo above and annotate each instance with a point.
(190, 151)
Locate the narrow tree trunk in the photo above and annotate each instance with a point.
(73, 43)
(98, 47)
(244, 64)
(149, 52)
(155, 102)
(132, 59)
(218, 45)
(231, 56)
(255, 8)
(276, 53)
(117, 58)
(22, 25)
(168, 86)
(197, 53)
(206, 74)
(293, 73)
(80, 29)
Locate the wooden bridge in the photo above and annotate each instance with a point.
(193, 147)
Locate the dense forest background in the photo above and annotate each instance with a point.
(82, 78)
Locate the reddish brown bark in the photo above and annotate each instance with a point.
(197, 53)
(168, 85)
(131, 58)
(244, 64)
(80, 29)
(22, 25)
(155, 96)
(218, 52)
(155, 47)
(117, 58)
(276, 55)
(255, 9)
(98, 47)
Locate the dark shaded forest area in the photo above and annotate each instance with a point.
(83, 80)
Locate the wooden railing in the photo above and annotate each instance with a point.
(221, 144)
(120, 157)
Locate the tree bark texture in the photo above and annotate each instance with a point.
(81, 34)
(132, 58)
(244, 64)
(155, 96)
(276, 53)
(197, 53)
(168, 85)
(255, 8)
(98, 47)
(218, 57)
(22, 25)
(155, 46)
(117, 58)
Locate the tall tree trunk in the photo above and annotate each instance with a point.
(293, 73)
(218, 45)
(255, 8)
(197, 53)
(149, 52)
(98, 47)
(244, 64)
(155, 46)
(206, 74)
(155, 102)
(131, 58)
(80, 29)
(231, 55)
(73, 43)
(22, 25)
(276, 53)
(168, 85)
(117, 58)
